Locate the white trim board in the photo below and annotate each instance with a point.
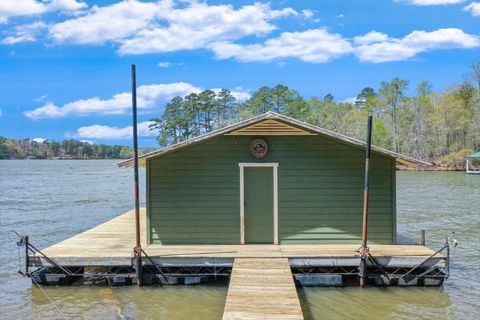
(274, 166)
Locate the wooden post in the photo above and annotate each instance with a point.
(364, 251)
(422, 237)
(137, 251)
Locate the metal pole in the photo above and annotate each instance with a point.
(137, 251)
(422, 237)
(447, 262)
(27, 258)
(364, 251)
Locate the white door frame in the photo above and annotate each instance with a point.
(274, 166)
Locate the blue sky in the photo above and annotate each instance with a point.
(65, 64)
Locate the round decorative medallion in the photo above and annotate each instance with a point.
(258, 148)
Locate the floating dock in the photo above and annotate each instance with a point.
(111, 244)
(262, 278)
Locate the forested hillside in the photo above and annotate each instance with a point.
(437, 126)
(67, 149)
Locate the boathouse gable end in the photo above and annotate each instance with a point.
(193, 193)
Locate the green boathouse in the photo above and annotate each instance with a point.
(269, 179)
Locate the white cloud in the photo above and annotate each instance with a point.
(393, 49)
(241, 95)
(39, 140)
(164, 64)
(199, 24)
(112, 133)
(307, 13)
(430, 2)
(87, 141)
(351, 100)
(24, 33)
(16, 8)
(153, 27)
(108, 23)
(148, 96)
(371, 37)
(473, 8)
(18, 39)
(41, 98)
(314, 45)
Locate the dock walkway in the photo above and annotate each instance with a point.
(262, 288)
(112, 242)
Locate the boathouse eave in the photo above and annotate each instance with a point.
(400, 158)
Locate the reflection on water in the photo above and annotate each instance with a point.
(53, 200)
(154, 302)
(374, 303)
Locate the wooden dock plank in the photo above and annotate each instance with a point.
(262, 288)
(116, 239)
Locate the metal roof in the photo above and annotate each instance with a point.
(402, 159)
(474, 155)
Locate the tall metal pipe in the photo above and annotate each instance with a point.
(364, 251)
(137, 251)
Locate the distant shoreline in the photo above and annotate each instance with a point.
(432, 168)
(435, 167)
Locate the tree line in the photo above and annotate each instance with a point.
(428, 125)
(67, 149)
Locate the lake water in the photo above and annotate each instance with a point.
(54, 200)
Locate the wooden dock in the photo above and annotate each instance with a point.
(261, 281)
(112, 242)
(262, 289)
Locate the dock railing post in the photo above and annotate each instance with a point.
(137, 251)
(422, 237)
(364, 251)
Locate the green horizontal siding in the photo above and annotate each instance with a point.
(193, 193)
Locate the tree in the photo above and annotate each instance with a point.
(21, 149)
(260, 102)
(466, 94)
(225, 107)
(185, 118)
(328, 98)
(366, 98)
(476, 72)
(207, 103)
(280, 99)
(415, 120)
(391, 95)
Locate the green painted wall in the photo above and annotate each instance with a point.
(193, 193)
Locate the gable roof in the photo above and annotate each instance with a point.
(299, 125)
